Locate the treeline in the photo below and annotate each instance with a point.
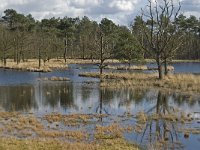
(190, 29)
(187, 30)
(22, 37)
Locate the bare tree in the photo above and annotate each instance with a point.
(5, 43)
(160, 31)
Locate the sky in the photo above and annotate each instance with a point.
(121, 12)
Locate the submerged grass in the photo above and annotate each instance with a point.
(54, 78)
(180, 82)
(25, 131)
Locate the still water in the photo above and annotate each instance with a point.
(22, 91)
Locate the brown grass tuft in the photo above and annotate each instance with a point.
(179, 82)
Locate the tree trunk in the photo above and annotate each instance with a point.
(101, 69)
(129, 64)
(4, 58)
(160, 72)
(101, 57)
(83, 55)
(39, 57)
(65, 52)
(166, 70)
(159, 64)
(17, 57)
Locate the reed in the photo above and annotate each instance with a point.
(179, 82)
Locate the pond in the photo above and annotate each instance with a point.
(186, 67)
(23, 92)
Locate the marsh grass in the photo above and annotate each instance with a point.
(186, 61)
(54, 144)
(24, 131)
(175, 61)
(136, 67)
(172, 121)
(42, 144)
(179, 82)
(122, 67)
(32, 65)
(54, 78)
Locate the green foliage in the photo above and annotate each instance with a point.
(127, 47)
(21, 36)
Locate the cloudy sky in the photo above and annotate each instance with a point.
(120, 11)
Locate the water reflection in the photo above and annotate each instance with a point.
(160, 133)
(89, 98)
(70, 97)
(17, 98)
(53, 96)
(161, 130)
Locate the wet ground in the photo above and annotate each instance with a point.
(23, 92)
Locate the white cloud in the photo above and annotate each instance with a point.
(123, 5)
(84, 3)
(191, 6)
(120, 11)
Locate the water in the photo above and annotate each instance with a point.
(189, 67)
(22, 91)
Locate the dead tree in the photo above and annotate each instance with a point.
(159, 30)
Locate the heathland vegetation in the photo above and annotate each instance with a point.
(161, 33)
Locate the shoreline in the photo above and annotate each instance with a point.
(31, 65)
(177, 82)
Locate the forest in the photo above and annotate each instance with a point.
(22, 37)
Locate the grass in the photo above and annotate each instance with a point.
(53, 144)
(90, 61)
(54, 79)
(141, 67)
(25, 131)
(189, 130)
(185, 61)
(168, 121)
(41, 144)
(179, 82)
(136, 67)
(32, 65)
(175, 61)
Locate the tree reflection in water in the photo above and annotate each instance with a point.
(100, 110)
(162, 132)
(56, 95)
(17, 98)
